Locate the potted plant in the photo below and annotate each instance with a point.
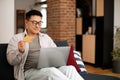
(116, 60)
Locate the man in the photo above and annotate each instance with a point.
(24, 48)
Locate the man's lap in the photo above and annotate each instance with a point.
(50, 73)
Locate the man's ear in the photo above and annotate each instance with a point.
(26, 23)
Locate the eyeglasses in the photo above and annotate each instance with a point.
(35, 22)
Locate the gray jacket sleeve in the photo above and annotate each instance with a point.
(14, 57)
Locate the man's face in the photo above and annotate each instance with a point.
(33, 25)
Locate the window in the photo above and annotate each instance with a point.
(44, 13)
(41, 5)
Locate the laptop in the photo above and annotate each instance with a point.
(53, 57)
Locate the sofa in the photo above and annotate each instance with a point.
(6, 70)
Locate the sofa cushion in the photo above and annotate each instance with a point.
(61, 43)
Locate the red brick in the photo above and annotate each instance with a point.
(61, 20)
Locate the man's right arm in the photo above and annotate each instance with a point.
(14, 56)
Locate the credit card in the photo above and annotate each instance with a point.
(28, 39)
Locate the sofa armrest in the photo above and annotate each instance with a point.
(6, 70)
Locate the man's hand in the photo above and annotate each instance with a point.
(21, 46)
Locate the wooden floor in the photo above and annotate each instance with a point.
(98, 70)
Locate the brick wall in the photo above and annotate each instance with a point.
(61, 20)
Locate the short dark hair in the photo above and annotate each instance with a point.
(32, 13)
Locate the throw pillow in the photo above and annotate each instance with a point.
(79, 62)
(71, 59)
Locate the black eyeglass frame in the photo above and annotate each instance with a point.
(35, 23)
